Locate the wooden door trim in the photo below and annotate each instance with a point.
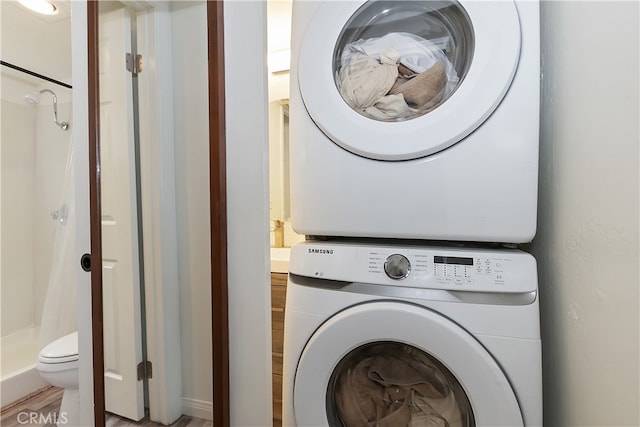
(95, 217)
(218, 211)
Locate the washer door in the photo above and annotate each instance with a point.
(345, 374)
(399, 80)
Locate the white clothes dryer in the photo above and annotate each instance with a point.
(415, 119)
(413, 335)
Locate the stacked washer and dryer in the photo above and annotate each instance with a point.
(414, 169)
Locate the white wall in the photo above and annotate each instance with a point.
(191, 124)
(278, 46)
(18, 202)
(80, 135)
(37, 42)
(248, 211)
(587, 242)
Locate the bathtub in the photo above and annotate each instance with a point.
(18, 374)
(280, 260)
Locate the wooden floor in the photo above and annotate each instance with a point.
(39, 410)
(35, 408)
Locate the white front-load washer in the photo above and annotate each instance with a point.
(389, 335)
(449, 152)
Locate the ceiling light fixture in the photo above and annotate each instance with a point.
(44, 7)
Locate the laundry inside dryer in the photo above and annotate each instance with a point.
(400, 60)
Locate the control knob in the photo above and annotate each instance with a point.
(397, 266)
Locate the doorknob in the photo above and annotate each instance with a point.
(85, 262)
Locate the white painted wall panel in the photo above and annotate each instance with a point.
(248, 212)
(587, 243)
(191, 126)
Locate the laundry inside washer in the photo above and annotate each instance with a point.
(395, 384)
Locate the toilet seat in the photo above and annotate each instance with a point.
(63, 350)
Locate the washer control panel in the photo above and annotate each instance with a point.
(429, 267)
(446, 270)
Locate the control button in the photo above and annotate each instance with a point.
(397, 266)
(458, 281)
(468, 281)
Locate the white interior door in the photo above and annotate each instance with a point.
(124, 394)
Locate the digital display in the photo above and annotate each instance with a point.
(452, 260)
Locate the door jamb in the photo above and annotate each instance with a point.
(94, 213)
(218, 209)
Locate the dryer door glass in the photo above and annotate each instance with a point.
(390, 383)
(400, 80)
(397, 60)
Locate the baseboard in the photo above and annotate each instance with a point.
(197, 408)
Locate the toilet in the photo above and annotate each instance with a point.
(58, 365)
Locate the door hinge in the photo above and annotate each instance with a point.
(134, 64)
(145, 370)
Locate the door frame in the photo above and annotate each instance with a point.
(95, 220)
(219, 303)
(218, 212)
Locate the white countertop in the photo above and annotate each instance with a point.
(280, 260)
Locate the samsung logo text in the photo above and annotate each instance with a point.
(321, 251)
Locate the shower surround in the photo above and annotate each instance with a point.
(33, 156)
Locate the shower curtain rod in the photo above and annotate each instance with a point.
(24, 70)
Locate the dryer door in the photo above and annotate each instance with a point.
(394, 363)
(399, 80)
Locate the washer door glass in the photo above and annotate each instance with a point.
(401, 80)
(455, 378)
(397, 60)
(390, 383)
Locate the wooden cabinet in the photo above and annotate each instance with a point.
(278, 297)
